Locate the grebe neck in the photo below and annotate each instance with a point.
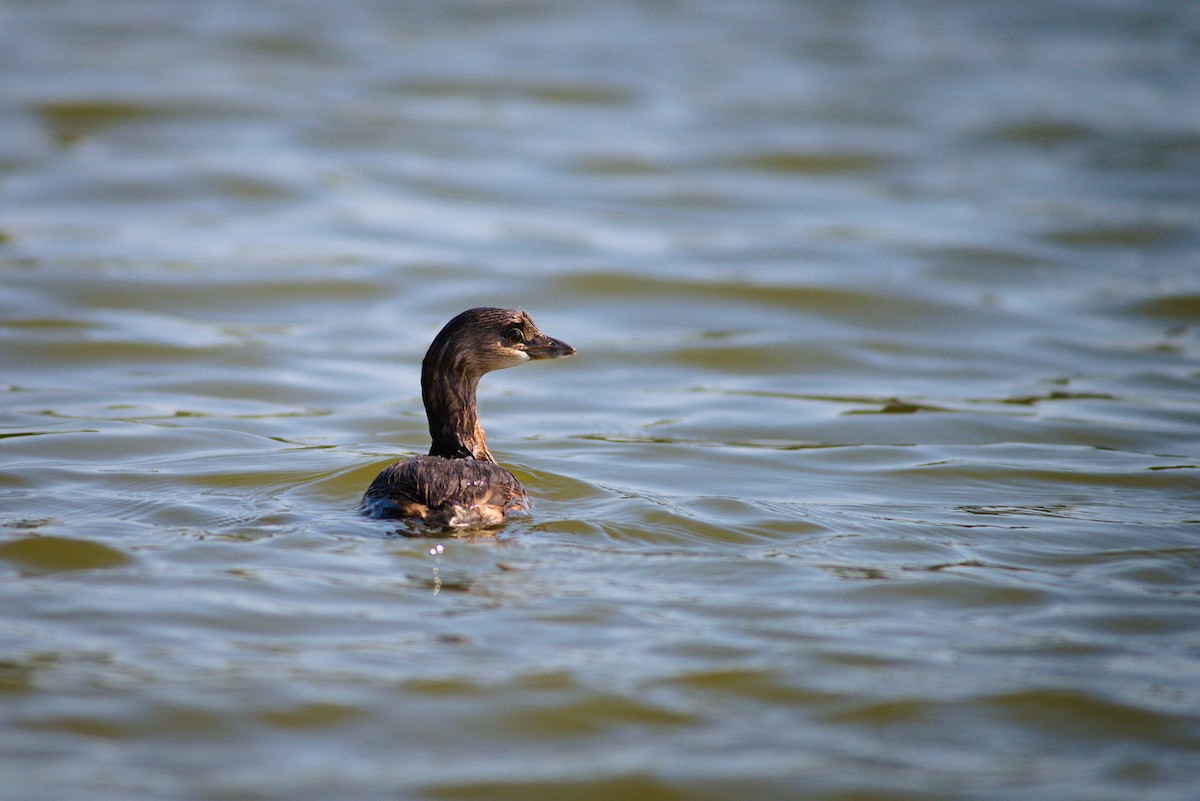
(449, 397)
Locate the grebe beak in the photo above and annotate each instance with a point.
(544, 347)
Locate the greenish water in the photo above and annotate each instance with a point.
(875, 476)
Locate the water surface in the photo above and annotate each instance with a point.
(875, 476)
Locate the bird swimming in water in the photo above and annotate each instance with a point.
(458, 484)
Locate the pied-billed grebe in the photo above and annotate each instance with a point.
(459, 484)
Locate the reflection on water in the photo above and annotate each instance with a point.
(875, 476)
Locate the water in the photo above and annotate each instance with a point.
(875, 476)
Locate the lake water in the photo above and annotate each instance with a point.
(875, 476)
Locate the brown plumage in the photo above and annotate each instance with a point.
(459, 484)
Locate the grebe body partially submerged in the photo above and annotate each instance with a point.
(458, 484)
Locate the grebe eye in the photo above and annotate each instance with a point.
(514, 336)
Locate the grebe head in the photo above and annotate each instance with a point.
(481, 340)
